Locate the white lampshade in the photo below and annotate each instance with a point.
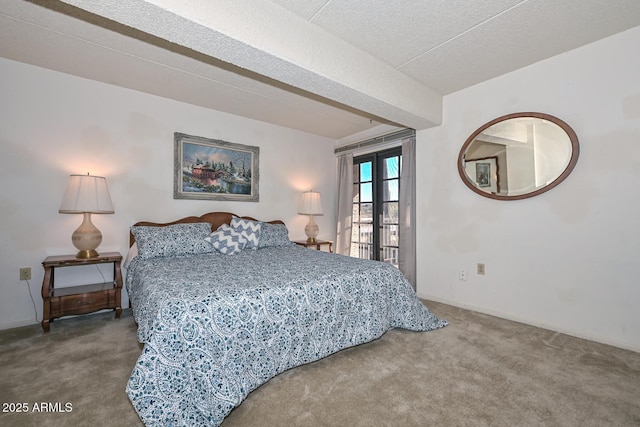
(310, 203)
(86, 194)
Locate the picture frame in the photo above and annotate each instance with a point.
(483, 174)
(212, 169)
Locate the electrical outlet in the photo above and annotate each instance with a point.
(25, 273)
(462, 275)
(480, 268)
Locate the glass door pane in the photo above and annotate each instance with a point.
(390, 182)
(362, 240)
(376, 190)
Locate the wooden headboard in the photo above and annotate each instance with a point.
(216, 219)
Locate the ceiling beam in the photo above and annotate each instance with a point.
(265, 38)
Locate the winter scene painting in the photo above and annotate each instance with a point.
(214, 170)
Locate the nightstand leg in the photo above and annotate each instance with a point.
(47, 284)
(117, 276)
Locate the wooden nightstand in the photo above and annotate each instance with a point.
(79, 299)
(317, 244)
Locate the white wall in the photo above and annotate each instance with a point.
(568, 259)
(53, 125)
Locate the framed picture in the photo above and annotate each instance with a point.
(483, 173)
(211, 169)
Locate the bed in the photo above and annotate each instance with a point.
(216, 324)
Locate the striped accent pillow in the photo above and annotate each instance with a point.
(226, 240)
(249, 229)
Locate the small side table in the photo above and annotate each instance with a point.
(83, 299)
(317, 244)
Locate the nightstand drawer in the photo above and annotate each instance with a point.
(83, 303)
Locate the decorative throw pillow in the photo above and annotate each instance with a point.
(249, 229)
(273, 235)
(172, 240)
(226, 240)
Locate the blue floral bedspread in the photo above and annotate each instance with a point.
(216, 327)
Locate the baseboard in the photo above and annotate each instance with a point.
(551, 327)
(19, 324)
(4, 326)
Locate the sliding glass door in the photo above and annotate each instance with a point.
(376, 187)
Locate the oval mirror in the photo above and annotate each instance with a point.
(518, 156)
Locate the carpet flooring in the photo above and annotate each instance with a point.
(478, 371)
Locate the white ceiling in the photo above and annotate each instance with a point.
(337, 68)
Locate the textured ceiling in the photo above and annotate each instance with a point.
(337, 68)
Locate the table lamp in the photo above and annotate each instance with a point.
(86, 194)
(310, 204)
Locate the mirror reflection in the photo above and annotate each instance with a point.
(517, 156)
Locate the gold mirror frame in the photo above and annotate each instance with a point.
(475, 186)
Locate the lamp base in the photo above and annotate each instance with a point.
(86, 238)
(311, 230)
(90, 253)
